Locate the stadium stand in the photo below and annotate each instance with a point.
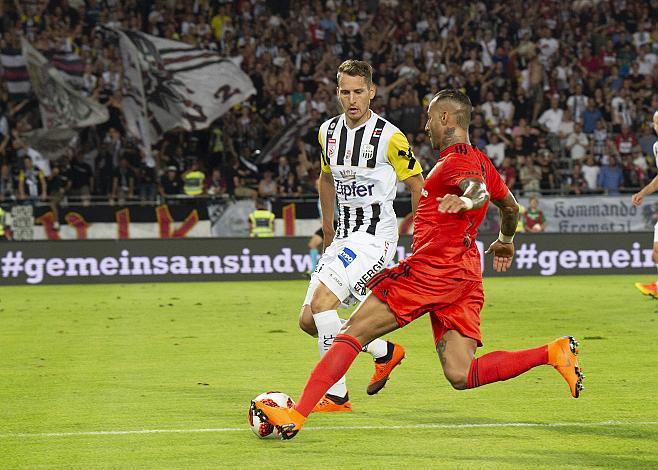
(564, 91)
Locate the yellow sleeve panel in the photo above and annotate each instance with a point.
(323, 158)
(401, 157)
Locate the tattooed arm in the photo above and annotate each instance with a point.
(503, 248)
(475, 195)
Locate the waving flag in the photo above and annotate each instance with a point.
(14, 72)
(286, 138)
(63, 109)
(170, 84)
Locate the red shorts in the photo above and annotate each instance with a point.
(413, 288)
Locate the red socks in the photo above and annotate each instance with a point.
(492, 367)
(333, 365)
(503, 365)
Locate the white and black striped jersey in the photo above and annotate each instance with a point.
(366, 162)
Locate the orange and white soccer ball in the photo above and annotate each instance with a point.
(261, 427)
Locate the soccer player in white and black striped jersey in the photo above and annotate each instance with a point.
(363, 157)
(652, 287)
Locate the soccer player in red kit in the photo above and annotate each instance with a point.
(442, 277)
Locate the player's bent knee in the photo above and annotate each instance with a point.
(654, 255)
(320, 303)
(457, 378)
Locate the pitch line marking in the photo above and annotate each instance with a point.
(339, 428)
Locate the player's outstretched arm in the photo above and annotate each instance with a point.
(415, 186)
(503, 248)
(327, 190)
(650, 188)
(475, 196)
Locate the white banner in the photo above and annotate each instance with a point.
(596, 214)
(110, 231)
(176, 85)
(231, 218)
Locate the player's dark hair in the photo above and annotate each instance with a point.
(463, 103)
(355, 68)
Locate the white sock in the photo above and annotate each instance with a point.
(328, 325)
(376, 348)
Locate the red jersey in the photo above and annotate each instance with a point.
(448, 240)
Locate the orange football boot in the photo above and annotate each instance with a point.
(562, 356)
(327, 405)
(383, 370)
(288, 421)
(647, 289)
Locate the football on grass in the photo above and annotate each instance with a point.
(261, 427)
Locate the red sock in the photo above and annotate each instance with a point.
(328, 371)
(503, 365)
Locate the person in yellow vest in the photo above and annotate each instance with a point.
(519, 224)
(261, 221)
(193, 181)
(3, 235)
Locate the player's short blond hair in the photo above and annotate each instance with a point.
(355, 68)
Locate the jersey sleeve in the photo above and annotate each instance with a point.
(323, 158)
(401, 157)
(495, 184)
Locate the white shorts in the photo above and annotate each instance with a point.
(348, 264)
(655, 233)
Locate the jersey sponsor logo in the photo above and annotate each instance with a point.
(368, 151)
(348, 174)
(335, 278)
(360, 286)
(346, 256)
(327, 340)
(331, 147)
(353, 190)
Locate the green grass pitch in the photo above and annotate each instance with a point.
(75, 360)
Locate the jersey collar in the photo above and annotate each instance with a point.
(451, 149)
(372, 116)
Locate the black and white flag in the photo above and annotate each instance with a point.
(286, 139)
(17, 78)
(14, 73)
(63, 109)
(173, 85)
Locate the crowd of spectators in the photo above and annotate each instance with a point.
(563, 91)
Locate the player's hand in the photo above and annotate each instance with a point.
(636, 199)
(451, 204)
(503, 254)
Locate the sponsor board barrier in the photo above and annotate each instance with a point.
(234, 259)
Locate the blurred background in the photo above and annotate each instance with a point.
(564, 93)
